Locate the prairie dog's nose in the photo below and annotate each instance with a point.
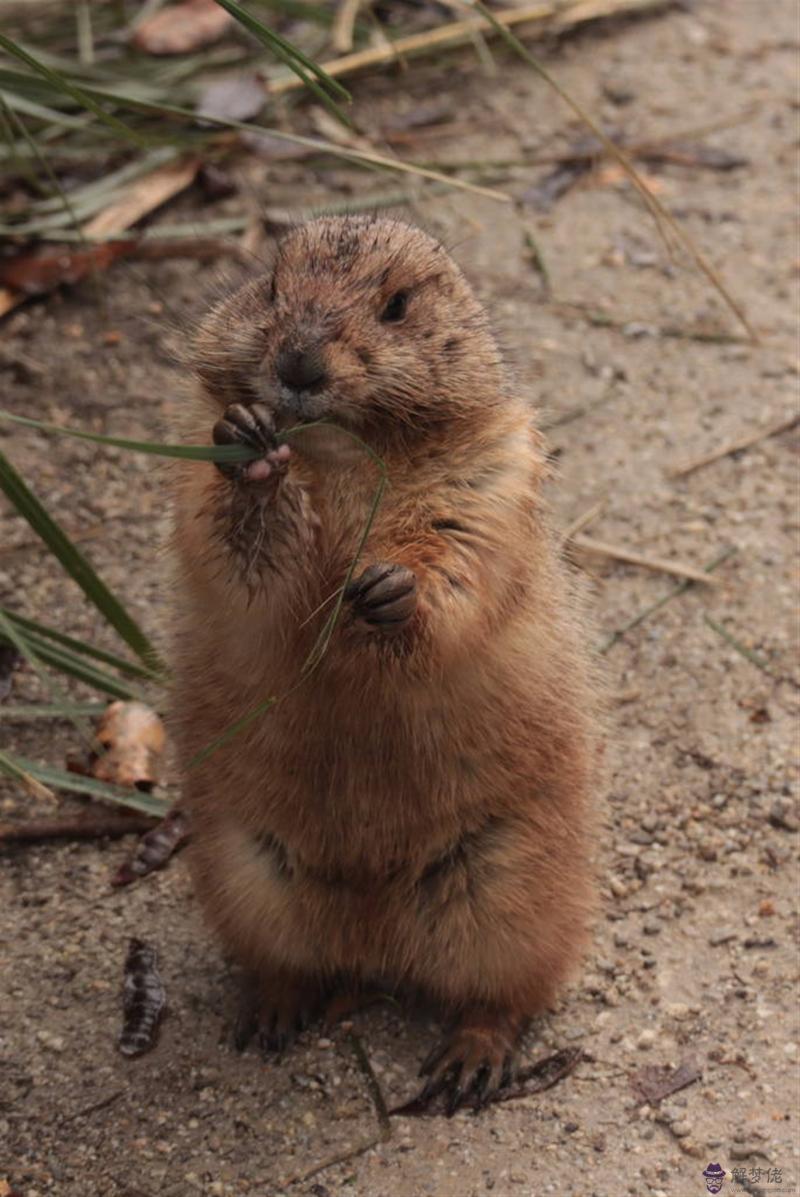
(301, 369)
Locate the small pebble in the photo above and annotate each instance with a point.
(646, 1039)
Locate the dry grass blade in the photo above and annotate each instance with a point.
(644, 614)
(143, 196)
(76, 783)
(582, 521)
(344, 26)
(13, 768)
(456, 33)
(656, 208)
(657, 564)
(743, 442)
(62, 84)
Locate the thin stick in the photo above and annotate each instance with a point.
(648, 611)
(338, 1157)
(583, 521)
(95, 828)
(375, 1092)
(658, 564)
(744, 442)
(660, 214)
(456, 33)
(343, 26)
(740, 648)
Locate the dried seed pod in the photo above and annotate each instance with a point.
(155, 848)
(143, 1000)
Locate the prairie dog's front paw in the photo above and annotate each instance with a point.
(254, 427)
(384, 596)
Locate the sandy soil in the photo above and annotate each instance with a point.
(695, 957)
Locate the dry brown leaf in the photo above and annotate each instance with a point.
(612, 175)
(182, 27)
(142, 197)
(36, 273)
(130, 743)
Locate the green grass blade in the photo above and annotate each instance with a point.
(79, 646)
(45, 652)
(76, 565)
(224, 453)
(24, 712)
(24, 644)
(64, 85)
(75, 783)
(288, 53)
(42, 112)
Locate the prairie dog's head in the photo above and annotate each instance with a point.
(363, 321)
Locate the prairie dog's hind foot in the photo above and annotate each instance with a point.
(253, 427)
(276, 1008)
(474, 1061)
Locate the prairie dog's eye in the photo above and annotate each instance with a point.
(395, 309)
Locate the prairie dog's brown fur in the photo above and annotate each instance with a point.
(417, 811)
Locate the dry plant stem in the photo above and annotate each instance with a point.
(553, 16)
(656, 606)
(583, 521)
(657, 564)
(744, 442)
(343, 26)
(93, 828)
(375, 1092)
(339, 1157)
(659, 213)
(143, 196)
(742, 649)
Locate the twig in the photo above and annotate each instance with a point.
(454, 33)
(662, 217)
(583, 520)
(343, 26)
(744, 442)
(83, 828)
(338, 1157)
(537, 260)
(102, 1104)
(742, 649)
(648, 611)
(658, 564)
(378, 1101)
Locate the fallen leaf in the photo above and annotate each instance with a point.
(182, 27)
(143, 196)
(155, 848)
(657, 1081)
(37, 273)
(238, 98)
(143, 1000)
(130, 743)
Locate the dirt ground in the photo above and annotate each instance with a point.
(695, 955)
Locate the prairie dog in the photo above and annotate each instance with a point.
(416, 811)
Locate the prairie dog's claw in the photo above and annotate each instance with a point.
(254, 427)
(384, 596)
